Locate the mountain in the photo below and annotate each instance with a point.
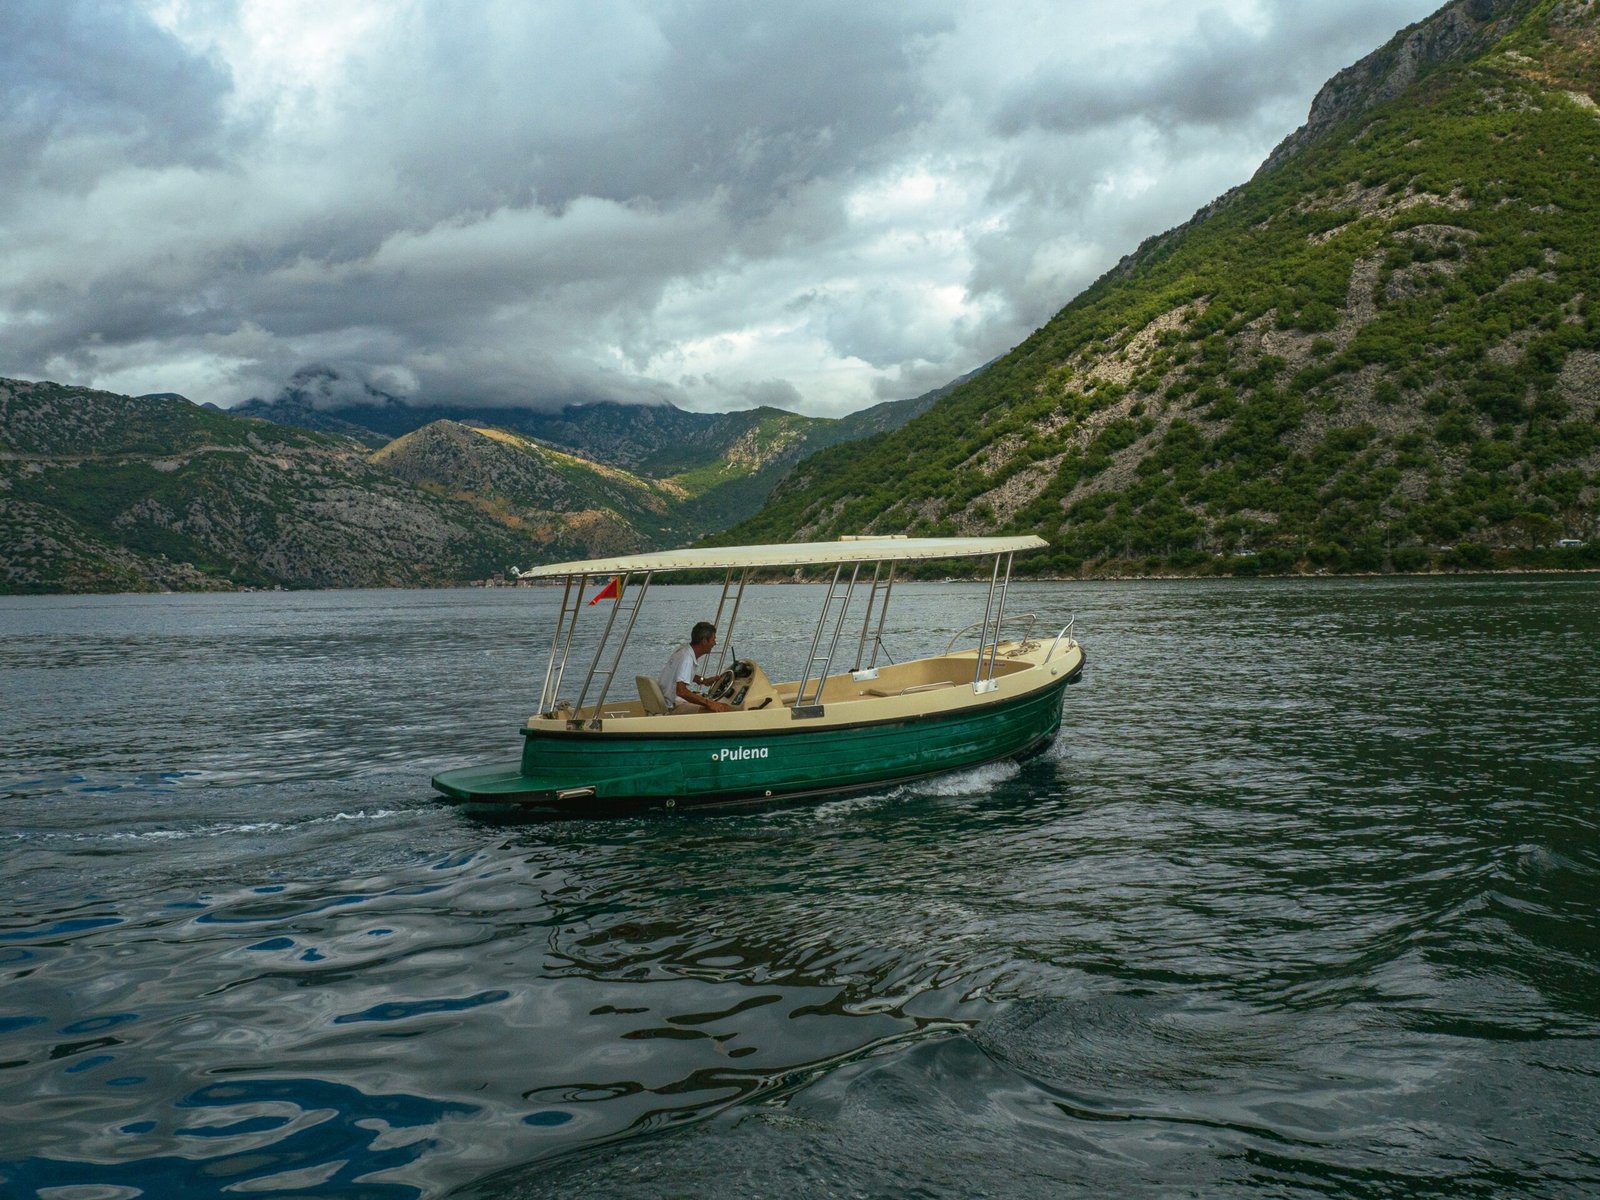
(720, 466)
(571, 507)
(100, 492)
(1382, 352)
(623, 435)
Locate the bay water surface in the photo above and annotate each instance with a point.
(1304, 901)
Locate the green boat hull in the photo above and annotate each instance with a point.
(578, 773)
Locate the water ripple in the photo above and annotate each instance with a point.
(1294, 907)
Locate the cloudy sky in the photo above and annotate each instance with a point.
(819, 204)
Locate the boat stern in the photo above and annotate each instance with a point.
(505, 783)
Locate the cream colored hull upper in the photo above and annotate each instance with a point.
(916, 688)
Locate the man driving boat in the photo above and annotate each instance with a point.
(677, 677)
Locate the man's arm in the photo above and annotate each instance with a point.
(705, 702)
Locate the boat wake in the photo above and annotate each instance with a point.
(212, 829)
(977, 781)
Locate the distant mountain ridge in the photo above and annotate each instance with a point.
(1382, 352)
(657, 439)
(714, 468)
(100, 492)
(556, 497)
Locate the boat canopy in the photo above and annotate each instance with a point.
(793, 554)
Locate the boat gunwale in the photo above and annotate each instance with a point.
(718, 725)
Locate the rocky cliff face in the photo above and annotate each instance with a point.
(1459, 30)
(1455, 31)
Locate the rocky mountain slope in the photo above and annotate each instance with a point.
(100, 492)
(718, 467)
(557, 499)
(110, 493)
(1383, 352)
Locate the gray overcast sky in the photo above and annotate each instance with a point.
(818, 204)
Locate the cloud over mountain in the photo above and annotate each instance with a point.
(825, 202)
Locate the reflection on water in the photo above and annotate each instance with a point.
(1303, 901)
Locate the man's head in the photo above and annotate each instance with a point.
(702, 637)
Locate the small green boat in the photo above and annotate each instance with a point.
(828, 733)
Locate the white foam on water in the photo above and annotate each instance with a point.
(973, 782)
(219, 829)
(847, 805)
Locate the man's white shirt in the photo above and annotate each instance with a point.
(679, 669)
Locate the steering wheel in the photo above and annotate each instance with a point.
(739, 671)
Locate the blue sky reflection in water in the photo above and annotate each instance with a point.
(1302, 903)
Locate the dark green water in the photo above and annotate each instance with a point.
(1304, 902)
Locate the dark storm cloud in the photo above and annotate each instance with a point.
(83, 69)
(704, 99)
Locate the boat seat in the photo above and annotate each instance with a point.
(907, 691)
(655, 704)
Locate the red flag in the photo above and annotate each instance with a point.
(611, 591)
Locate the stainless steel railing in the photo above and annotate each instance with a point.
(1027, 632)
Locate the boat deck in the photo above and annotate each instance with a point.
(913, 688)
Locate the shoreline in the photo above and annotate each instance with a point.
(1109, 577)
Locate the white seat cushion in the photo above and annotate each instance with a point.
(655, 704)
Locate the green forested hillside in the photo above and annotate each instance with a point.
(1381, 353)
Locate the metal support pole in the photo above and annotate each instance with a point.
(545, 698)
(838, 626)
(616, 660)
(883, 612)
(725, 636)
(816, 638)
(722, 603)
(566, 651)
(866, 617)
(999, 616)
(594, 663)
(983, 632)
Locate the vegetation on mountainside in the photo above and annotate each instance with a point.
(109, 493)
(561, 501)
(100, 492)
(1382, 353)
(712, 468)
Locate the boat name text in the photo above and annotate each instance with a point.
(741, 753)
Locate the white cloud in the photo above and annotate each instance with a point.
(822, 204)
